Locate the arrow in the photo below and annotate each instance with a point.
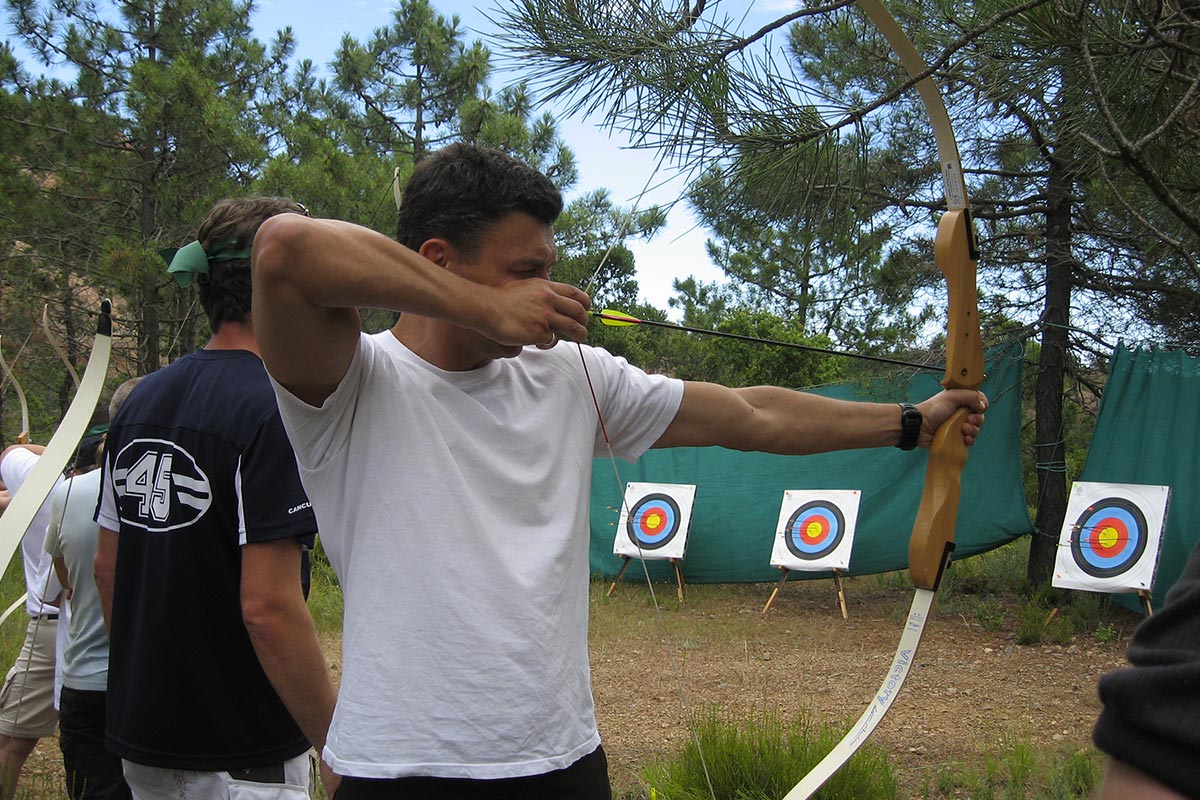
(619, 319)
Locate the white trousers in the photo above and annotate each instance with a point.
(159, 783)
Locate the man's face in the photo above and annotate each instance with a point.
(517, 247)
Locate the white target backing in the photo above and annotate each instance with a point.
(654, 520)
(1111, 537)
(816, 529)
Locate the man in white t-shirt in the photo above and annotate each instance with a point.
(450, 442)
(27, 711)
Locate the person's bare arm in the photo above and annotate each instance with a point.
(36, 449)
(1123, 782)
(284, 636)
(311, 276)
(104, 569)
(773, 420)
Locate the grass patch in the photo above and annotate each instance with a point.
(325, 601)
(12, 633)
(1023, 772)
(762, 756)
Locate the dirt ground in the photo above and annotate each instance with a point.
(970, 693)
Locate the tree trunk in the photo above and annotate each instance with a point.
(1050, 449)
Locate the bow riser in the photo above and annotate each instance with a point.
(932, 539)
(955, 254)
(933, 533)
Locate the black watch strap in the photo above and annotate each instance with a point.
(910, 426)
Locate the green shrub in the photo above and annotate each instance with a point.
(1031, 624)
(990, 613)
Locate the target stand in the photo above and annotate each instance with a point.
(653, 527)
(837, 582)
(1147, 605)
(674, 563)
(815, 533)
(1111, 538)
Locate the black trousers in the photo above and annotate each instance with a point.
(586, 779)
(93, 773)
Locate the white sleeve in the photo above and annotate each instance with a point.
(318, 433)
(636, 406)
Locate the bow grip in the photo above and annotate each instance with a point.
(932, 539)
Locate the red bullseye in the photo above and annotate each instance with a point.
(1108, 537)
(814, 529)
(653, 521)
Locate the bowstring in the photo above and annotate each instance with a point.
(675, 653)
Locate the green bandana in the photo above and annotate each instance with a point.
(186, 262)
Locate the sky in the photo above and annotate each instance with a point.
(604, 161)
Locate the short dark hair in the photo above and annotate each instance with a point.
(225, 290)
(460, 191)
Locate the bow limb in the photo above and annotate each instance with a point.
(932, 540)
(59, 349)
(42, 478)
(23, 436)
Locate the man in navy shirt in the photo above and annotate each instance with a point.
(216, 675)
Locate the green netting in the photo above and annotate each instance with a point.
(1147, 432)
(738, 495)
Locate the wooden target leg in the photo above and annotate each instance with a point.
(841, 593)
(624, 566)
(678, 579)
(1146, 602)
(775, 591)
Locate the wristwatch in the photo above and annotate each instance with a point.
(910, 426)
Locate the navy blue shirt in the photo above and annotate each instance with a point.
(197, 463)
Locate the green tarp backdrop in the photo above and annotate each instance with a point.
(738, 495)
(1148, 432)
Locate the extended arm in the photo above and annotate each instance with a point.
(311, 276)
(773, 420)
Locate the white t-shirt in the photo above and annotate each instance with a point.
(454, 509)
(41, 583)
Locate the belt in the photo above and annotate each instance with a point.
(50, 617)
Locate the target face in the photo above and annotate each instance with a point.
(816, 529)
(654, 520)
(1109, 537)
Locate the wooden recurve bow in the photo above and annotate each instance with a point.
(932, 540)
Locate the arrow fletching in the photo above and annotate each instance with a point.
(617, 319)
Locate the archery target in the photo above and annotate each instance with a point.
(1111, 537)
(815, 530)
(654, 520)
